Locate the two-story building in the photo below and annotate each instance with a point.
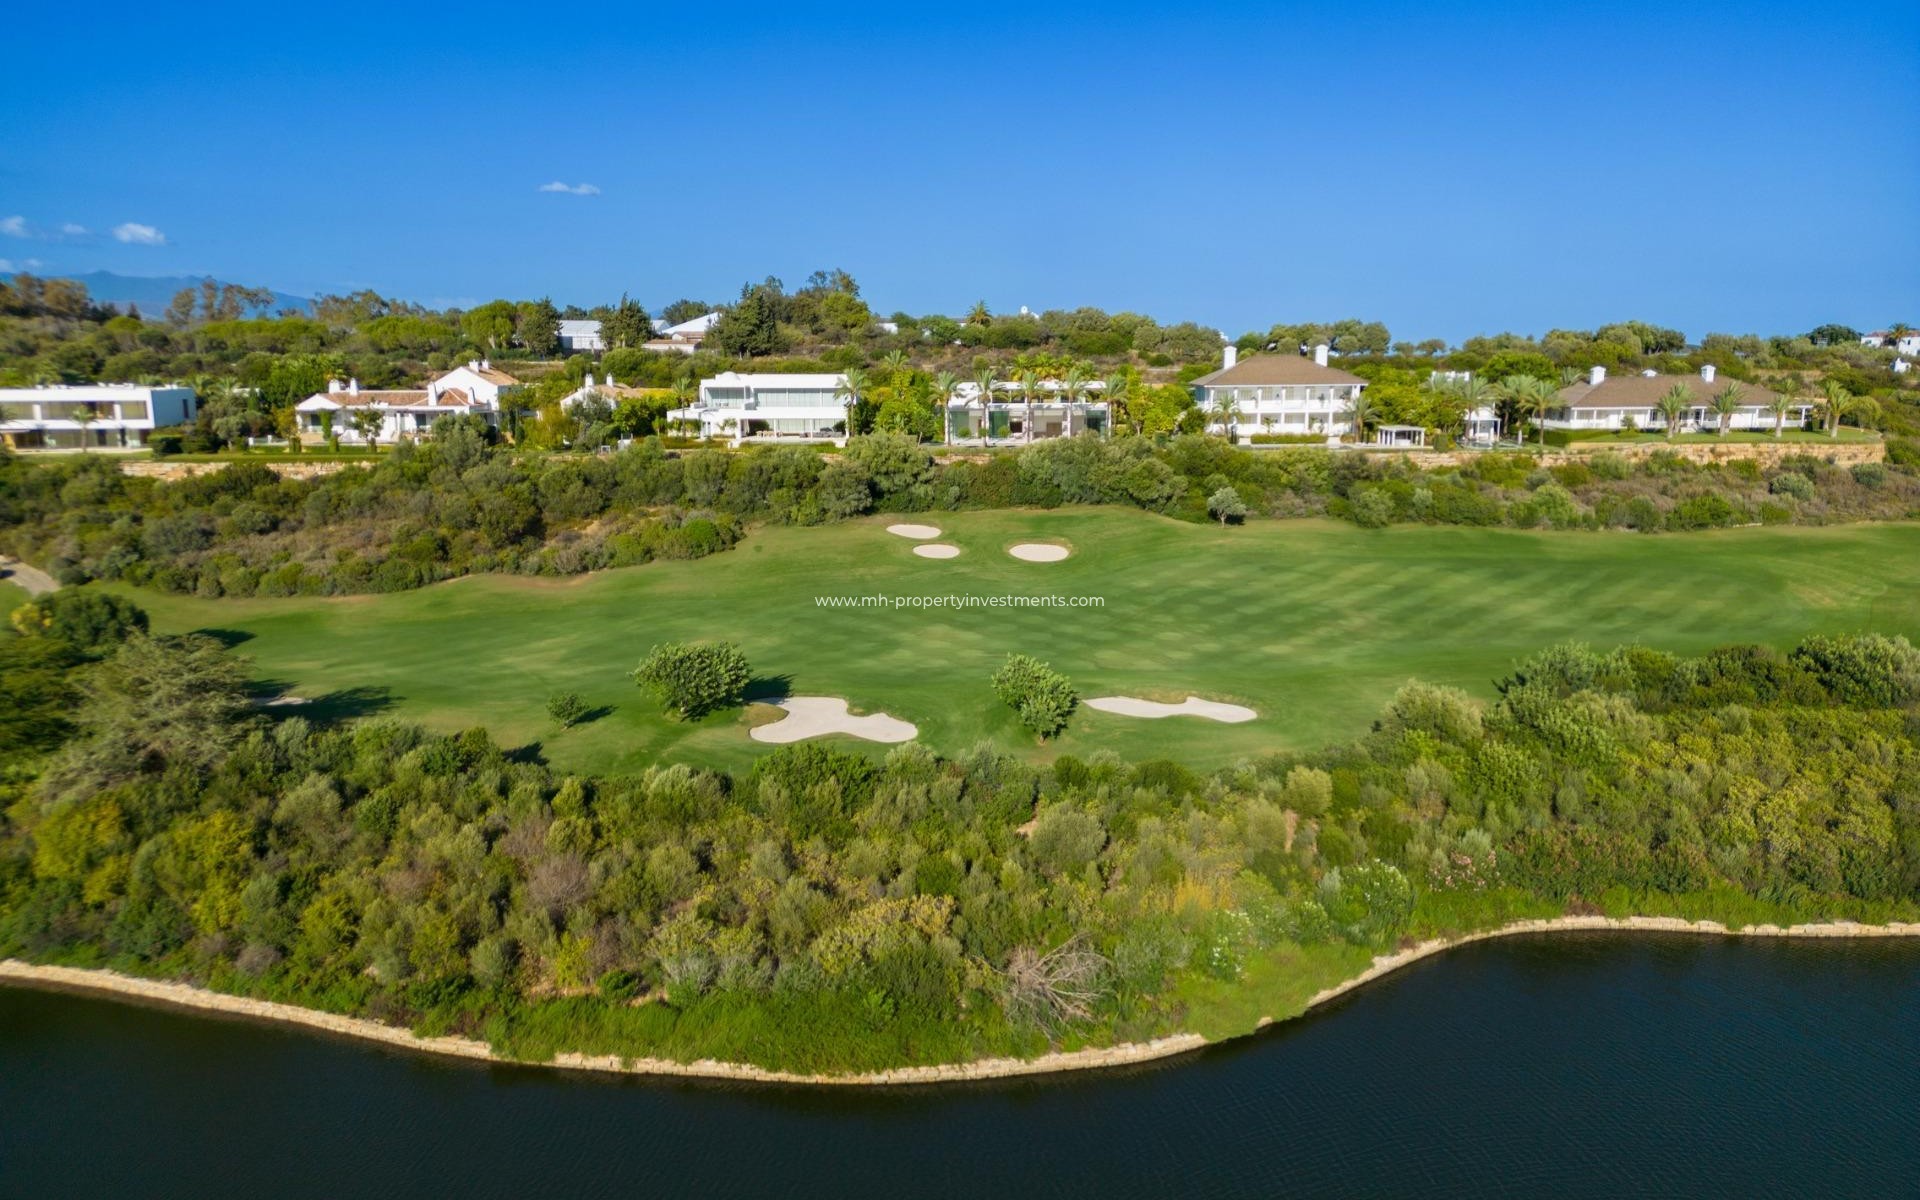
(739, 406)
(110, 416)
(1006, 415)
(473, 389)
(1278, 393)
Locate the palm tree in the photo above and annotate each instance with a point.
(1840, 403)
(979, 314)
(895, 362)
(1726, 403)
(983, 384)
(84, 416)
(1358, 412)
(1531, 397)
(1116, 393)
(1226, 411)
(1674, 404)
(1074, 385)
(1781, 404)
(943, 384)
(1029, 381)
(1469, 394)
(853, 385)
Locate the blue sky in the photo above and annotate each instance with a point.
(1716, 167)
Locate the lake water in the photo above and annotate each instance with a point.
(1577, 1065)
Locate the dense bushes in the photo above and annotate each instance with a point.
(457, 505)
(833, 911)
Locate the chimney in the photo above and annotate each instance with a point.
(1320, 354)
(1596, 376)
(335, 387)
(353, 387)
(610, 382)
(1230, 356)
(473, 364)
(589, 384)
(485, 365)
(1707, 373)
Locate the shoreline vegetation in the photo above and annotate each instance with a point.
(825, 914)
(190, 997)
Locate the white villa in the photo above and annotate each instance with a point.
(111, 415)
(1603, 403)
(1907, 342)
(1279, 393)
(683, 338)
(576, 336)
(737, 406)
(1004, 415)
(472, 390)
(605, 389)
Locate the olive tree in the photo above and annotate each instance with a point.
(693, 679)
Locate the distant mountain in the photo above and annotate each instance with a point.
(152, 293)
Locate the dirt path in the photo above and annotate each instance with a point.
(33, 579)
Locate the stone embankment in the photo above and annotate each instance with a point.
(171, 472)
(1843, 454)
(182, 995)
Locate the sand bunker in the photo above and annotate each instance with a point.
(815, 716)
(917, 532)
(1037, 552)
(937, 550)
(1192, 706)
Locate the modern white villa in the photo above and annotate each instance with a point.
(83, 416)
(738, 406)
(1600, 402)
(474, 389)
(1278, 393)
(1005, 416)
(682, 338)
(577, 336)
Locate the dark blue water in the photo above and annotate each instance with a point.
(1587, 1065)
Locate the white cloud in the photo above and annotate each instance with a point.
(13, 226)
(571, 189)
(6, 264)
(135, 234)
(71, 229)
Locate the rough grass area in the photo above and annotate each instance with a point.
(1314, 625)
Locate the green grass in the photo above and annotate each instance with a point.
(1311, 623)
(12, 596)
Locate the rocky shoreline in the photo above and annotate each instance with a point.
(187, 996)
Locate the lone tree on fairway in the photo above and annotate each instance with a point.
(1226, 505)
(1042, 697)
(692, 680)
(566, 708)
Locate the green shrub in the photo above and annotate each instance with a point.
(89, 621)
(566, 708)
(1043, 698)
(1791, 483)
(1870, 474)
(693, 679)
(1707, 510)
(1372, 508)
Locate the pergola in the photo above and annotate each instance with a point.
(1400, 435)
